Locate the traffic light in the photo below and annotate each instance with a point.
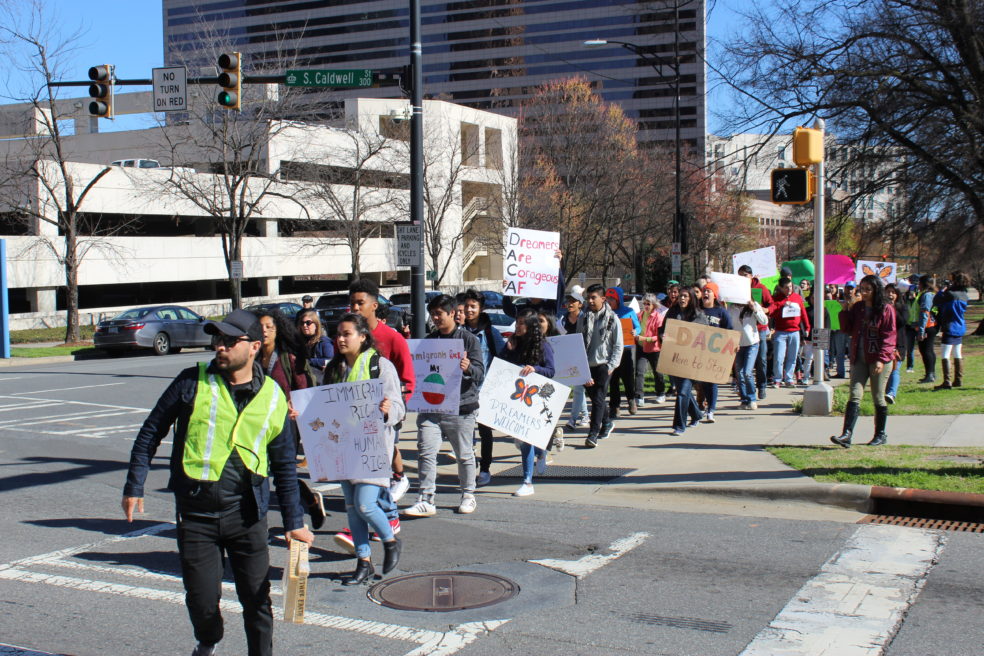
(807, 146)
(101, 90)
(230, 79)
(793, 186)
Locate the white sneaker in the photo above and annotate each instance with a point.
(661, 398)
(709, 418)
(583, 421)
(483, 478)
(468, 504)
(640, 402)
(540, 466)
(399, 487)
(423, 508)
(559, 442)
(753, 406)
(743, 406)
(525, 490)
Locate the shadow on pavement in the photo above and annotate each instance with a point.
(78, 468)
(97, 525)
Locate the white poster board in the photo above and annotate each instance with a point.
(437, 373)
(886, 271)
(343, 432)
(530, 267)
(733, 288)
(525, 407)
(570, 359)
(762, 261)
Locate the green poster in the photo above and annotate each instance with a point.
(833, 310)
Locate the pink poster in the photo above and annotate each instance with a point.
(837, 269)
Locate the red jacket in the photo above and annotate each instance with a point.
(392, 346)
(766, 300)
(788, 324)
(878, 335)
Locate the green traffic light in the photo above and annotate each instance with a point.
(227, 99)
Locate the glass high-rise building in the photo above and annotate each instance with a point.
(488, 54)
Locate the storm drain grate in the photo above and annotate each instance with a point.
(682, 623)
(570, 473)
(443, 591)
(923, 522)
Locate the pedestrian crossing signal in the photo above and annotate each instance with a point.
(793, 186)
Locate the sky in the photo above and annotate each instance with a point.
(129, 34)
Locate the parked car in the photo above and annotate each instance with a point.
(163, 328)
(505, 324)
(287, 309)
(333, 306)
(493, 300)
(137, 163)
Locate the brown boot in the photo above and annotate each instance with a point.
(946, 376)
(958, 372)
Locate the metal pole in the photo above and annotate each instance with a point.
(4, 306)
(819, 288)
(417, 305)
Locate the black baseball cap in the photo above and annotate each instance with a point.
(306, 298)
(237, 324)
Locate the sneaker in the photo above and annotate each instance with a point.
(525, 490)
(572, 424)
(777, 385)
(467, 505)
(633, 406)
(394, 525)
(540, 466)
(559, 442)
(423, 508)
(743, 406)
(762, 394)
(695, 422)
(889, 399)
(591, 442)
(677, 432)
(583, 422)
(661, 398)
(399, 487)
(709, 417)
(606, 430)
(483, 478)
(317, 510)
(344, 540)
(640, 402)
(204, 650)
(910, 370)
(753, 406)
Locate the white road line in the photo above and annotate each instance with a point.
(584, 566)
(30, 406)
(66, 418)
(858, 601)
(456, 639)
(97, 405)
(153, 529)
(11, 650)
(65, 389)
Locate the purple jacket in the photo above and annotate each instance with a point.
(881, 332)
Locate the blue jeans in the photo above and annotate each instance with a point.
(529, 453)
(745, 364)
(838, 351)
(762, 363)
(786, 349)
(685, 405)
(710, 395)
(579, 404)
(894, 379)
(362, 506)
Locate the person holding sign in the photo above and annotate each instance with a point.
(528, 348)
(685, 310)
(603, 343)
(747, 318)
(624, 375)
(357, 360)
(760, 294)
(788, 314)
(714, 314)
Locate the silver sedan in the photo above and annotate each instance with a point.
(163, 328)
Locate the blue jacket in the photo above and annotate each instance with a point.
(322, 352)
(545, 367)
(176, 405)
(623, 310)
(485, 332)
(952, 308)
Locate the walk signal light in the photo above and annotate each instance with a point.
(793, 186)
(807, 146)
(101, 90)
(230, 79)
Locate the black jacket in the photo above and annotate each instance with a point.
(471, 379)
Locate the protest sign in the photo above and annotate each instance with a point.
(296, 573)
(801, 270)
(884, 271)
(628, 331)
(531, 268)
(833, 313)
(343, 432)
(733, 288)
(757, 295)
(525, 407)
(698, 352)
(762, 261)
(837, 269)
(437, 371)
(570, 359)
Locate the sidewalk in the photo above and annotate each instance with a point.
(712, 467)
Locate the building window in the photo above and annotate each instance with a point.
(493, 149)
(470, 144)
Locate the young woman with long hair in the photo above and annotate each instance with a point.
(894, 298)
(357, 360)
(685, 309)
(872, 325)
(923, 320)
(747, 318)
(952, 304)
(318, 346)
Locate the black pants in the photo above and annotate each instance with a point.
(652, 359)
(624, 374)
(203, 544)
(927, 349)
(485, 458)
(596, 394)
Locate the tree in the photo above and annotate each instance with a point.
(38, 184)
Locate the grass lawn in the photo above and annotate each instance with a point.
(927, 468)
(49, 351)
(48, 335)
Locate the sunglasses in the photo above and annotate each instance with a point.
(227, 342)
(309, 323)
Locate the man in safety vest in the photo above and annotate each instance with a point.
(231, 433)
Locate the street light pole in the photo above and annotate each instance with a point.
(417, 296)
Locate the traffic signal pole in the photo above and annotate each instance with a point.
(417, 305)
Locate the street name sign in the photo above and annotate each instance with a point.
(170, 89)
(355, 78)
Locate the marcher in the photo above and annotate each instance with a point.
(761, 364)
(747, 318)
(528, 347)
(685, 310)
(603, 343)
(923, 320)
(307, 302)
(624, 376)
(893, 298)
(548, 326)
(871, 323)
(952, 306)
(569, 322)
(788, 314)
(433, 428)
(221, 411)
(357, 360)
(647, 349)
(713, 313)
(319, 347)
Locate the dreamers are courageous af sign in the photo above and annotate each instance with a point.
(531, 267)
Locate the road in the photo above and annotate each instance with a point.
(76, 579)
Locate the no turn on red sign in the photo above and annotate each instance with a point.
(171, 89)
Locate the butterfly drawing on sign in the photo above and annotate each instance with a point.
(333, 437)
(316, 424)
(334, 422)
(524, 392)
(882, 270)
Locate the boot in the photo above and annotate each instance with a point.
(928, 378)
(363, 571)
(881, 418)
(946, 376)
(958, 372)
(850, 418)
(391, 554)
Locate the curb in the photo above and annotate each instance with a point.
(841, 495)
(25, 362)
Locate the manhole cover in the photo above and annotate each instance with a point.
(443, 591)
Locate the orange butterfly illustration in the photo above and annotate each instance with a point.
(883, 270)
(524, 392)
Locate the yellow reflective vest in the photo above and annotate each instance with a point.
(215, 427)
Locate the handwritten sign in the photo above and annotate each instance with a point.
(628, 331)
(762, 261)
(570, 359)
(884, 271)
(531, 269)
(733, 288)
(698, 352)
(525, 407)
(437, 371)
(296, 573)
(343, 431)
